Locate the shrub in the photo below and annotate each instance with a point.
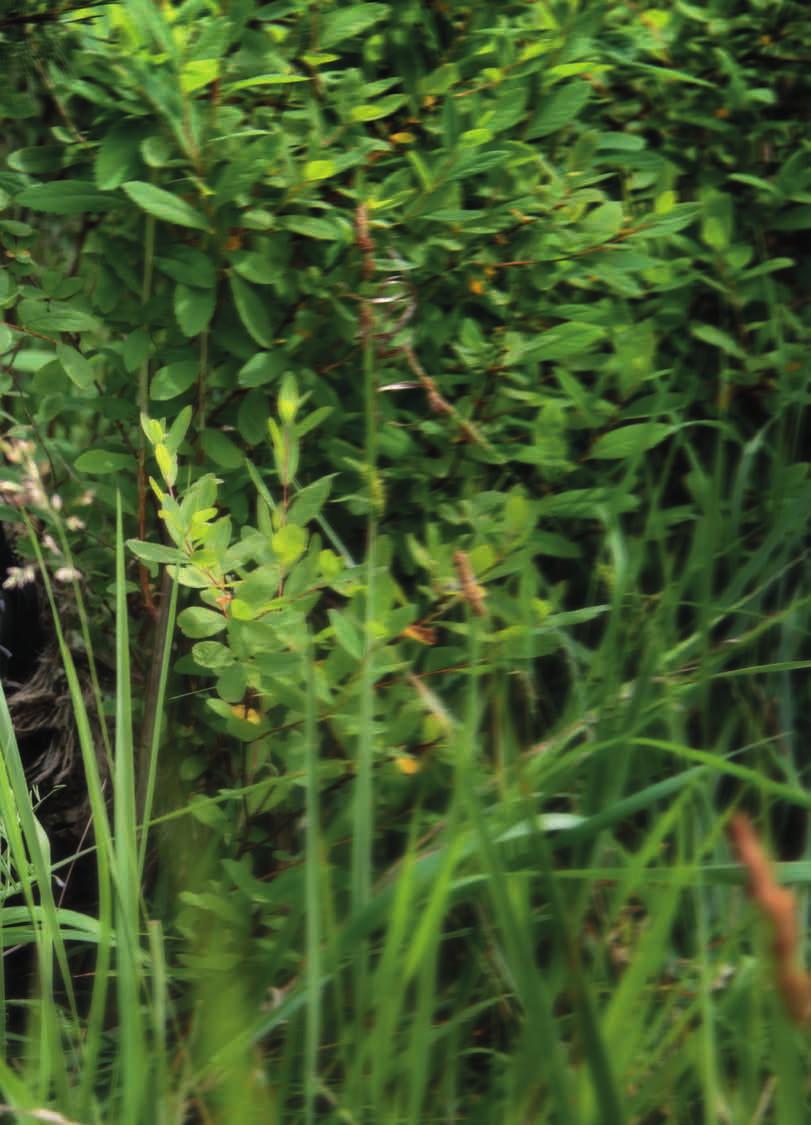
(447, 364)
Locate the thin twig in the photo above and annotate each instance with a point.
(439, 404)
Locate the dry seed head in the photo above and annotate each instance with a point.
(472, 592)
(67, 574)
(779, 909)
(18, 576)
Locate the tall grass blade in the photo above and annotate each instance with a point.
(133, 1055)
(313, 888)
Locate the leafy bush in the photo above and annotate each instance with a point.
(448, 366)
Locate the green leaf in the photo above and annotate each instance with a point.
(564, 340)
(174, 379)
(178, 429)
(118, 157)
(718, 339)
(66, 197)
(714, 233)
(630, 440)
(189, 267)
(373, 111)
(252, 417)
(311, 420)
(212, 654)
(604, 221)
(192, 766)
(197, 622)
(102, 462)
(289, 543)
(222, 450)
(193, 309)
(622, 142)
(53, 317)
(167, 464)
(574, 617)
(232, 683)
(472, 138)
(256, 267)
(328, 230)
(19, 106)
(441, 80)
(320, 58)
(265, 80)
(717, 220)
(155, 552)
(557, 546)
(190, 576)
(635, 348)
(309, 501)
(474, 163)
(544, 449)
(518, 516)
(558, 109)
(163, 205)
(676, 218)
(288, 400)
(16, 229)
(76, 367)
(156, 151)
(257, 592)
(319, 169)
(136, 349)
(585, 503)
(8, 289)
(153, 429)
(658, 72)
(253, 311)
(38, 159)
(262, 368)
(196, 74)
(346, 23)
(330, 564)
(756, 182)
(665, 201)
(345, 633)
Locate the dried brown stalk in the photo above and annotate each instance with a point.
(363, 240)
(437, 403)
(472, 592)
(779, 907)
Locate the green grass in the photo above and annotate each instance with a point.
(563, 935)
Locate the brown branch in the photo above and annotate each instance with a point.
(143, 573)
(27, 331)
(438, 403)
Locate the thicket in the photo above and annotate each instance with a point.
(444, 367)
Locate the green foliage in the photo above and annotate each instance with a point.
(449, 365)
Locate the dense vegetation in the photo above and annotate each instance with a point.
(407, 405)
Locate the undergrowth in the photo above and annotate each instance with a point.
(407, 410)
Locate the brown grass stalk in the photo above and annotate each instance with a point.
(778, 907)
